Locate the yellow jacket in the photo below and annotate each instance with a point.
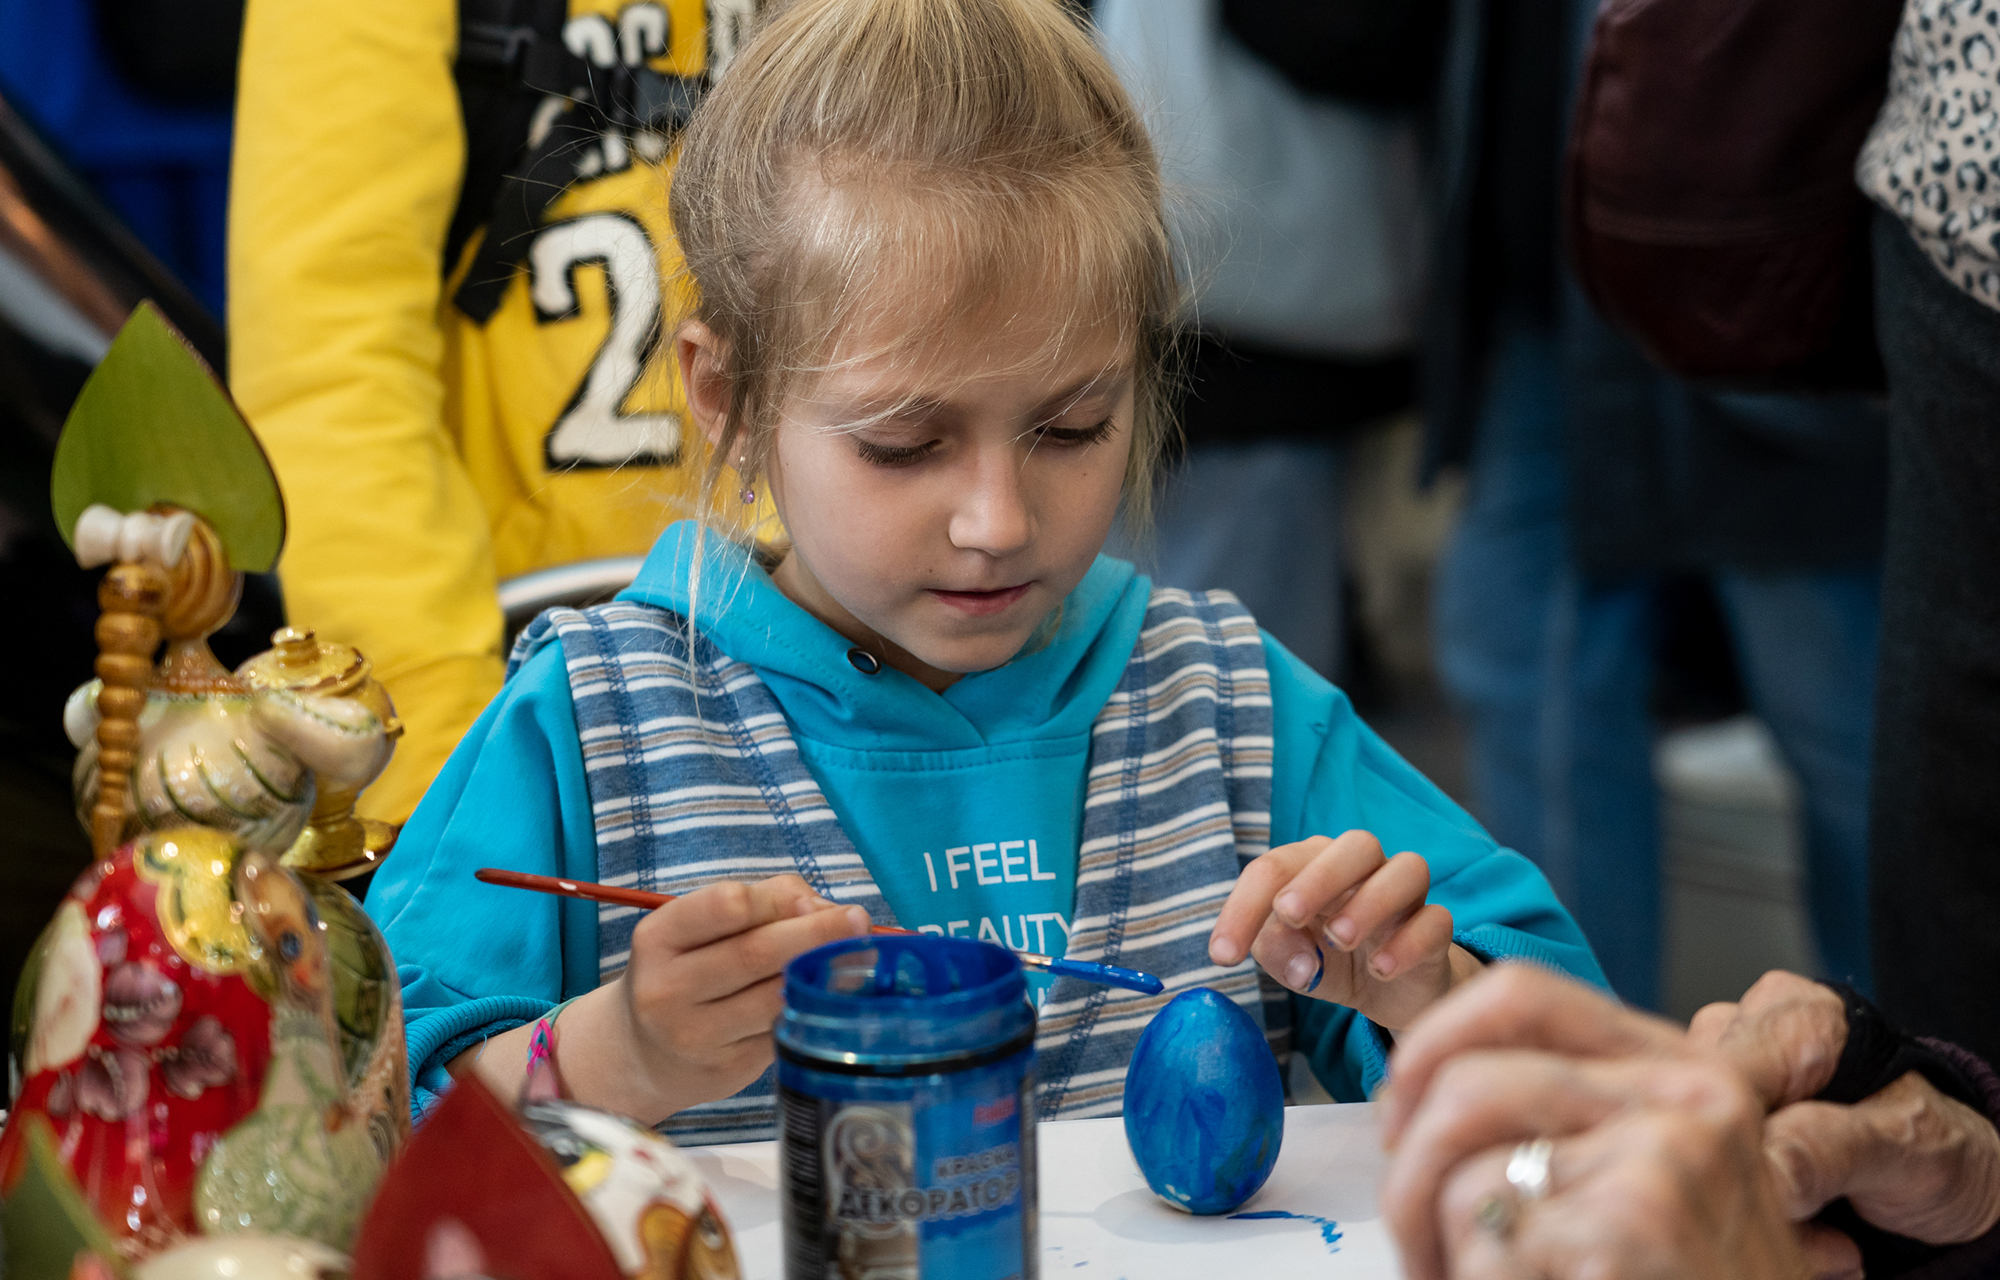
(424, 456)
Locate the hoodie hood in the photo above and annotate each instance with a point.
(1055, 692)
(966, 806)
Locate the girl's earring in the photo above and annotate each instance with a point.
(749, 494)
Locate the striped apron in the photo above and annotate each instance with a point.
(695, 778)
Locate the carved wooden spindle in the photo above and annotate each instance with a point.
(202, 595)
(131, 599)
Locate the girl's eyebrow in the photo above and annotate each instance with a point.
(866, 409)
(892, 408)
(1105, 382)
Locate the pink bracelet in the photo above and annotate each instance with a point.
(543, 1079)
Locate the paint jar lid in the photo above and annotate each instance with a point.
(896, 1004)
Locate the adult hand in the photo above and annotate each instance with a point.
(1339, 921)
(1508, 1009)
(1655, 1169)
(1786, 1035)
(1910, 1160)
(1516, 1006)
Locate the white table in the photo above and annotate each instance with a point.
(1099, 1218)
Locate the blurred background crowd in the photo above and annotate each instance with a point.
(1716, 645)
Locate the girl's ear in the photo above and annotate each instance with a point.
(699, 352)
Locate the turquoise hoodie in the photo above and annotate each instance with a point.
(941, 793)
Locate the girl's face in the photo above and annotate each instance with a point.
(941, 507)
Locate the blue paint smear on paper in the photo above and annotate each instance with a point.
(1329, 1230)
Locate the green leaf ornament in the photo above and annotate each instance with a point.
(152, 425)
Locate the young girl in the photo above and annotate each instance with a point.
(935, 279)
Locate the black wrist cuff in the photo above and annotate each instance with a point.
(1878, 1053)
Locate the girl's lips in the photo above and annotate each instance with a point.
(981, 603)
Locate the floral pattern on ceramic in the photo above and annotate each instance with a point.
(180, 1034)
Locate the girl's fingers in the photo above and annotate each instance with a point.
(739, 1016)
(1424, 936)
(1391, 892)
(720, 911)
(1343, 865)
(1249, 903)
(1289, 955)
(731, 964)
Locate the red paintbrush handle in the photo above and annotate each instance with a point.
(591, 891)
(585, 889)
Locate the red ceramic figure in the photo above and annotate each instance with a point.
(179, 1036)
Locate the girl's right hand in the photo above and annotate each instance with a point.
(690, 1019)
(704, 985)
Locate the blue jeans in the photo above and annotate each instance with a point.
(1554, 672)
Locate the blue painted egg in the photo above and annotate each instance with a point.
(1204, 1107)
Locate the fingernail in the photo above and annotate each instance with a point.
(1342, 931)
(1383, 964)
(1299, 972)
(806, 906)
(1290, 907)
(858, 921)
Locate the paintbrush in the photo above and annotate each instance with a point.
(1104, 975)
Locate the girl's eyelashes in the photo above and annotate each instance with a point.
(885, 455)
(1072, 437)
(891, 455)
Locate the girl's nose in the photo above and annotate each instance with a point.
(991, 514)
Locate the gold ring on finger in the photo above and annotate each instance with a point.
(1496, 1214)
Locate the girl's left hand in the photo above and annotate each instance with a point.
(1338, 921)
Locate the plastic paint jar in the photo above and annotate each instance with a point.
(906, 1112)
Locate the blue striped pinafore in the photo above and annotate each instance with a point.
(695, 778)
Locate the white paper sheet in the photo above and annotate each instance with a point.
(1100, 1222)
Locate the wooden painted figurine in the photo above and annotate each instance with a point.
(206, 1042)
(180, 1040)
(205, 747)
(557, 1191)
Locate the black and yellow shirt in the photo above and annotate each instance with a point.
(424, 454)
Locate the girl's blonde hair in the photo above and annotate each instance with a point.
(924, 162)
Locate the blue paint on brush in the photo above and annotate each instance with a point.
(1329, 1230)
(1318, 973)
(1108, 975)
